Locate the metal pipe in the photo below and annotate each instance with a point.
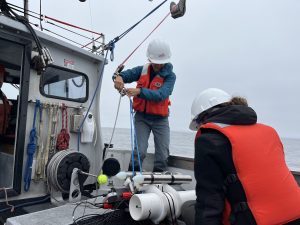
(159, 178)
(167, 179)
(88, 174)
(26, 9)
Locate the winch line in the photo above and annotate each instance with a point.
(146, 38)
(133, 26)
(111, 44)
(114, 127)
(92, 100)
(91, 21)
(134, 141)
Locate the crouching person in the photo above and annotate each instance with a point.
(240, 170)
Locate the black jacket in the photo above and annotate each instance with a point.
(213, 163)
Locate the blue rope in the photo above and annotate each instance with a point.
(31, 147)
(131, 139)
(134, 140)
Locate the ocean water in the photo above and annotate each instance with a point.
(182, 144)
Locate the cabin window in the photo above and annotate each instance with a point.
(62, 83)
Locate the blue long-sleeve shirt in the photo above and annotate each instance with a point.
(162, 93)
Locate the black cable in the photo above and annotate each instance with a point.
(22, 8)
(85, 217)
(91, 215)
(26, 23)
(116, 39)
(110, 215)
(78, 204)
(22, 11)
(174, 211)
(172, 220)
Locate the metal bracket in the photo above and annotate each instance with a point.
(75, 193)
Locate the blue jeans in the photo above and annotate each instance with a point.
(161, 133)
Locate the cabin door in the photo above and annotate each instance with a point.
(14, 77)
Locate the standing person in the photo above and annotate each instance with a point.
(240, 162)
(155, 83)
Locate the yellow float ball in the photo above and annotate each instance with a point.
(102, 179)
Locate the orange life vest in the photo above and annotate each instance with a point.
(273, 195)
(5, 108)
(150, 107)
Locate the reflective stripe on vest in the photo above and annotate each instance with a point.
(150, 107)
(272, 192)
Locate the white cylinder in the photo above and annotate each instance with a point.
(88, 129)
(156, 205)
(147, 206)
(186, 196)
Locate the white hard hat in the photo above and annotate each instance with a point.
(204, 101)
(158, 52)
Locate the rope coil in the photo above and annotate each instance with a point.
(60, 168)
(31, 148)
(63, 137)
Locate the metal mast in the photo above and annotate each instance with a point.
(26, 9)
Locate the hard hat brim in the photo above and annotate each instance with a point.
(193, 125)
(155, 61)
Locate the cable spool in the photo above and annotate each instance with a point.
(60, 168)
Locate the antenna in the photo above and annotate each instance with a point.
(26, 9)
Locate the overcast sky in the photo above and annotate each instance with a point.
(249, 48)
